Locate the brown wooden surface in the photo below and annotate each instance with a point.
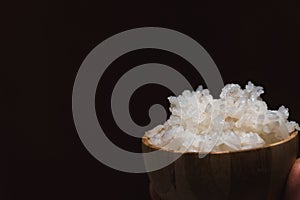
(251, 174)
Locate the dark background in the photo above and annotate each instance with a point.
(45, 159)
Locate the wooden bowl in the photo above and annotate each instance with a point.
(253, 174)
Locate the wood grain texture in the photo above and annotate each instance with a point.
(258, 174)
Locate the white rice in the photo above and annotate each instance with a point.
(238, 120)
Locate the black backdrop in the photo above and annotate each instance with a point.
(257, 41)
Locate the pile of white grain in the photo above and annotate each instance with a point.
(238, 120)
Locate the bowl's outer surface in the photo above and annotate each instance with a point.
(252, 174)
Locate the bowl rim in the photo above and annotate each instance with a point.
(293, 135)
